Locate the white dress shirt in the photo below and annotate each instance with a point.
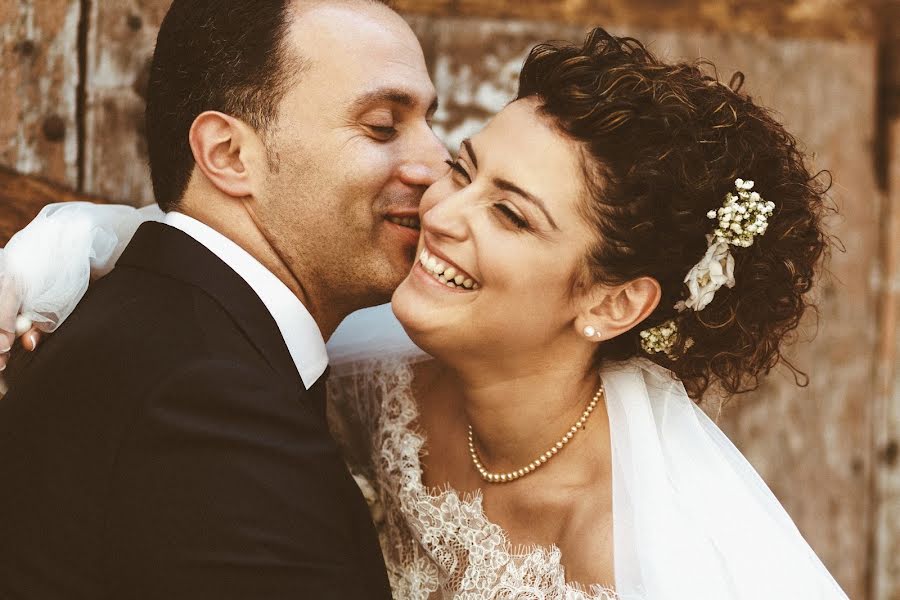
(300, 332)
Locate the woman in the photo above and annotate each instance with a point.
(544, 444)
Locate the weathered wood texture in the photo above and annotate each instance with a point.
(121, 38)
(38, 87)
(22, 197)
(811, 444)
(838, 19)
(886, 560)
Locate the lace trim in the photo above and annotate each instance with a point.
(459, 550)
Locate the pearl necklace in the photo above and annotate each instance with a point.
(539, 461)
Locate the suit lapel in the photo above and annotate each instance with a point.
(167, 251)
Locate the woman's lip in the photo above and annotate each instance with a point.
(445, 260)
(431, 281)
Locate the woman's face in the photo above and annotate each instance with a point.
(502, 238)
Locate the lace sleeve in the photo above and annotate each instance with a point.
(352, 414)
(46, 267)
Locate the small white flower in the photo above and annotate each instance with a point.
(660, 338)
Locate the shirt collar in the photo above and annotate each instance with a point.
(301, 334)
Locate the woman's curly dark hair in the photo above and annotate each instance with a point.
(663, 144)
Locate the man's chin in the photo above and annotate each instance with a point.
(383, 282)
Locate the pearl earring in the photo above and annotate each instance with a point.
(590, 331)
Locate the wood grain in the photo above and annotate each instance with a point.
(886, 447)
(834, 19)
(38, 96)
(23, 196)
(120, 45)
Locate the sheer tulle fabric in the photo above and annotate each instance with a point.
(692, 518)
(46, 267)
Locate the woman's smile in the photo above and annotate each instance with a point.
(446, 272)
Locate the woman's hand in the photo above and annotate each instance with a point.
(27, 333)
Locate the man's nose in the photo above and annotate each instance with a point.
(428, 162)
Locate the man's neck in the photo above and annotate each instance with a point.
(234, 221)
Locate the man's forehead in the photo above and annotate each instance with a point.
(405, 96)
(364, 56)
(326, 28)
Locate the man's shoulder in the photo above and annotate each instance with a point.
(140, 327)
(151, 311)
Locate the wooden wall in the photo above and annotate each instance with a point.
(73, 74)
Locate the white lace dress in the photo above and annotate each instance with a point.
(436, 544)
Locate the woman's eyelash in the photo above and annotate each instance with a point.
(511, 216)
(454, 164)
(504, 210)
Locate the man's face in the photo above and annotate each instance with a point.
(351, 154)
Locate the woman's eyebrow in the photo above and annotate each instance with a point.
(509, 186)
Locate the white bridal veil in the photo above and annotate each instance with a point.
(692, 519)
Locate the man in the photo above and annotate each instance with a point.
(169, 440)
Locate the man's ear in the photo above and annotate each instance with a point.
(608, 312)
(228, 152)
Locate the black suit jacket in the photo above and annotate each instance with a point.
(161, 445)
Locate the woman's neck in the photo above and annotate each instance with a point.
(517, 414)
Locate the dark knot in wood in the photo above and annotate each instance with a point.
(54, 128)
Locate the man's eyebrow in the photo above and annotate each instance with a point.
(392, 95)
(508, 186)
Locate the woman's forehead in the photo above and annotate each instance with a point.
(522, 143)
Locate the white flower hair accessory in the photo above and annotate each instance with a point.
(743, 216)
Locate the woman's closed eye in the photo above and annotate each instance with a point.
(510, 215)
(504, 211)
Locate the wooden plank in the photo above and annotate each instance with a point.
(23, 196)
(886, 561)
(835, 19)
(39, 63)
(816, 438)
(120, 45)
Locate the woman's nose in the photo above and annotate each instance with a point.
(445, 216)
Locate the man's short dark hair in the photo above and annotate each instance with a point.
(224, 55)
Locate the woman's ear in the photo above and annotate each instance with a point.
(227, 151)
(609, 312)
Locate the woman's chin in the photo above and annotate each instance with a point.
(410, 311)
(422, 321)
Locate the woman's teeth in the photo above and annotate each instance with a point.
(411, 222)
(449, 276)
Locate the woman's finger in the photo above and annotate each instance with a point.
(31, 339)
(7, 339)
